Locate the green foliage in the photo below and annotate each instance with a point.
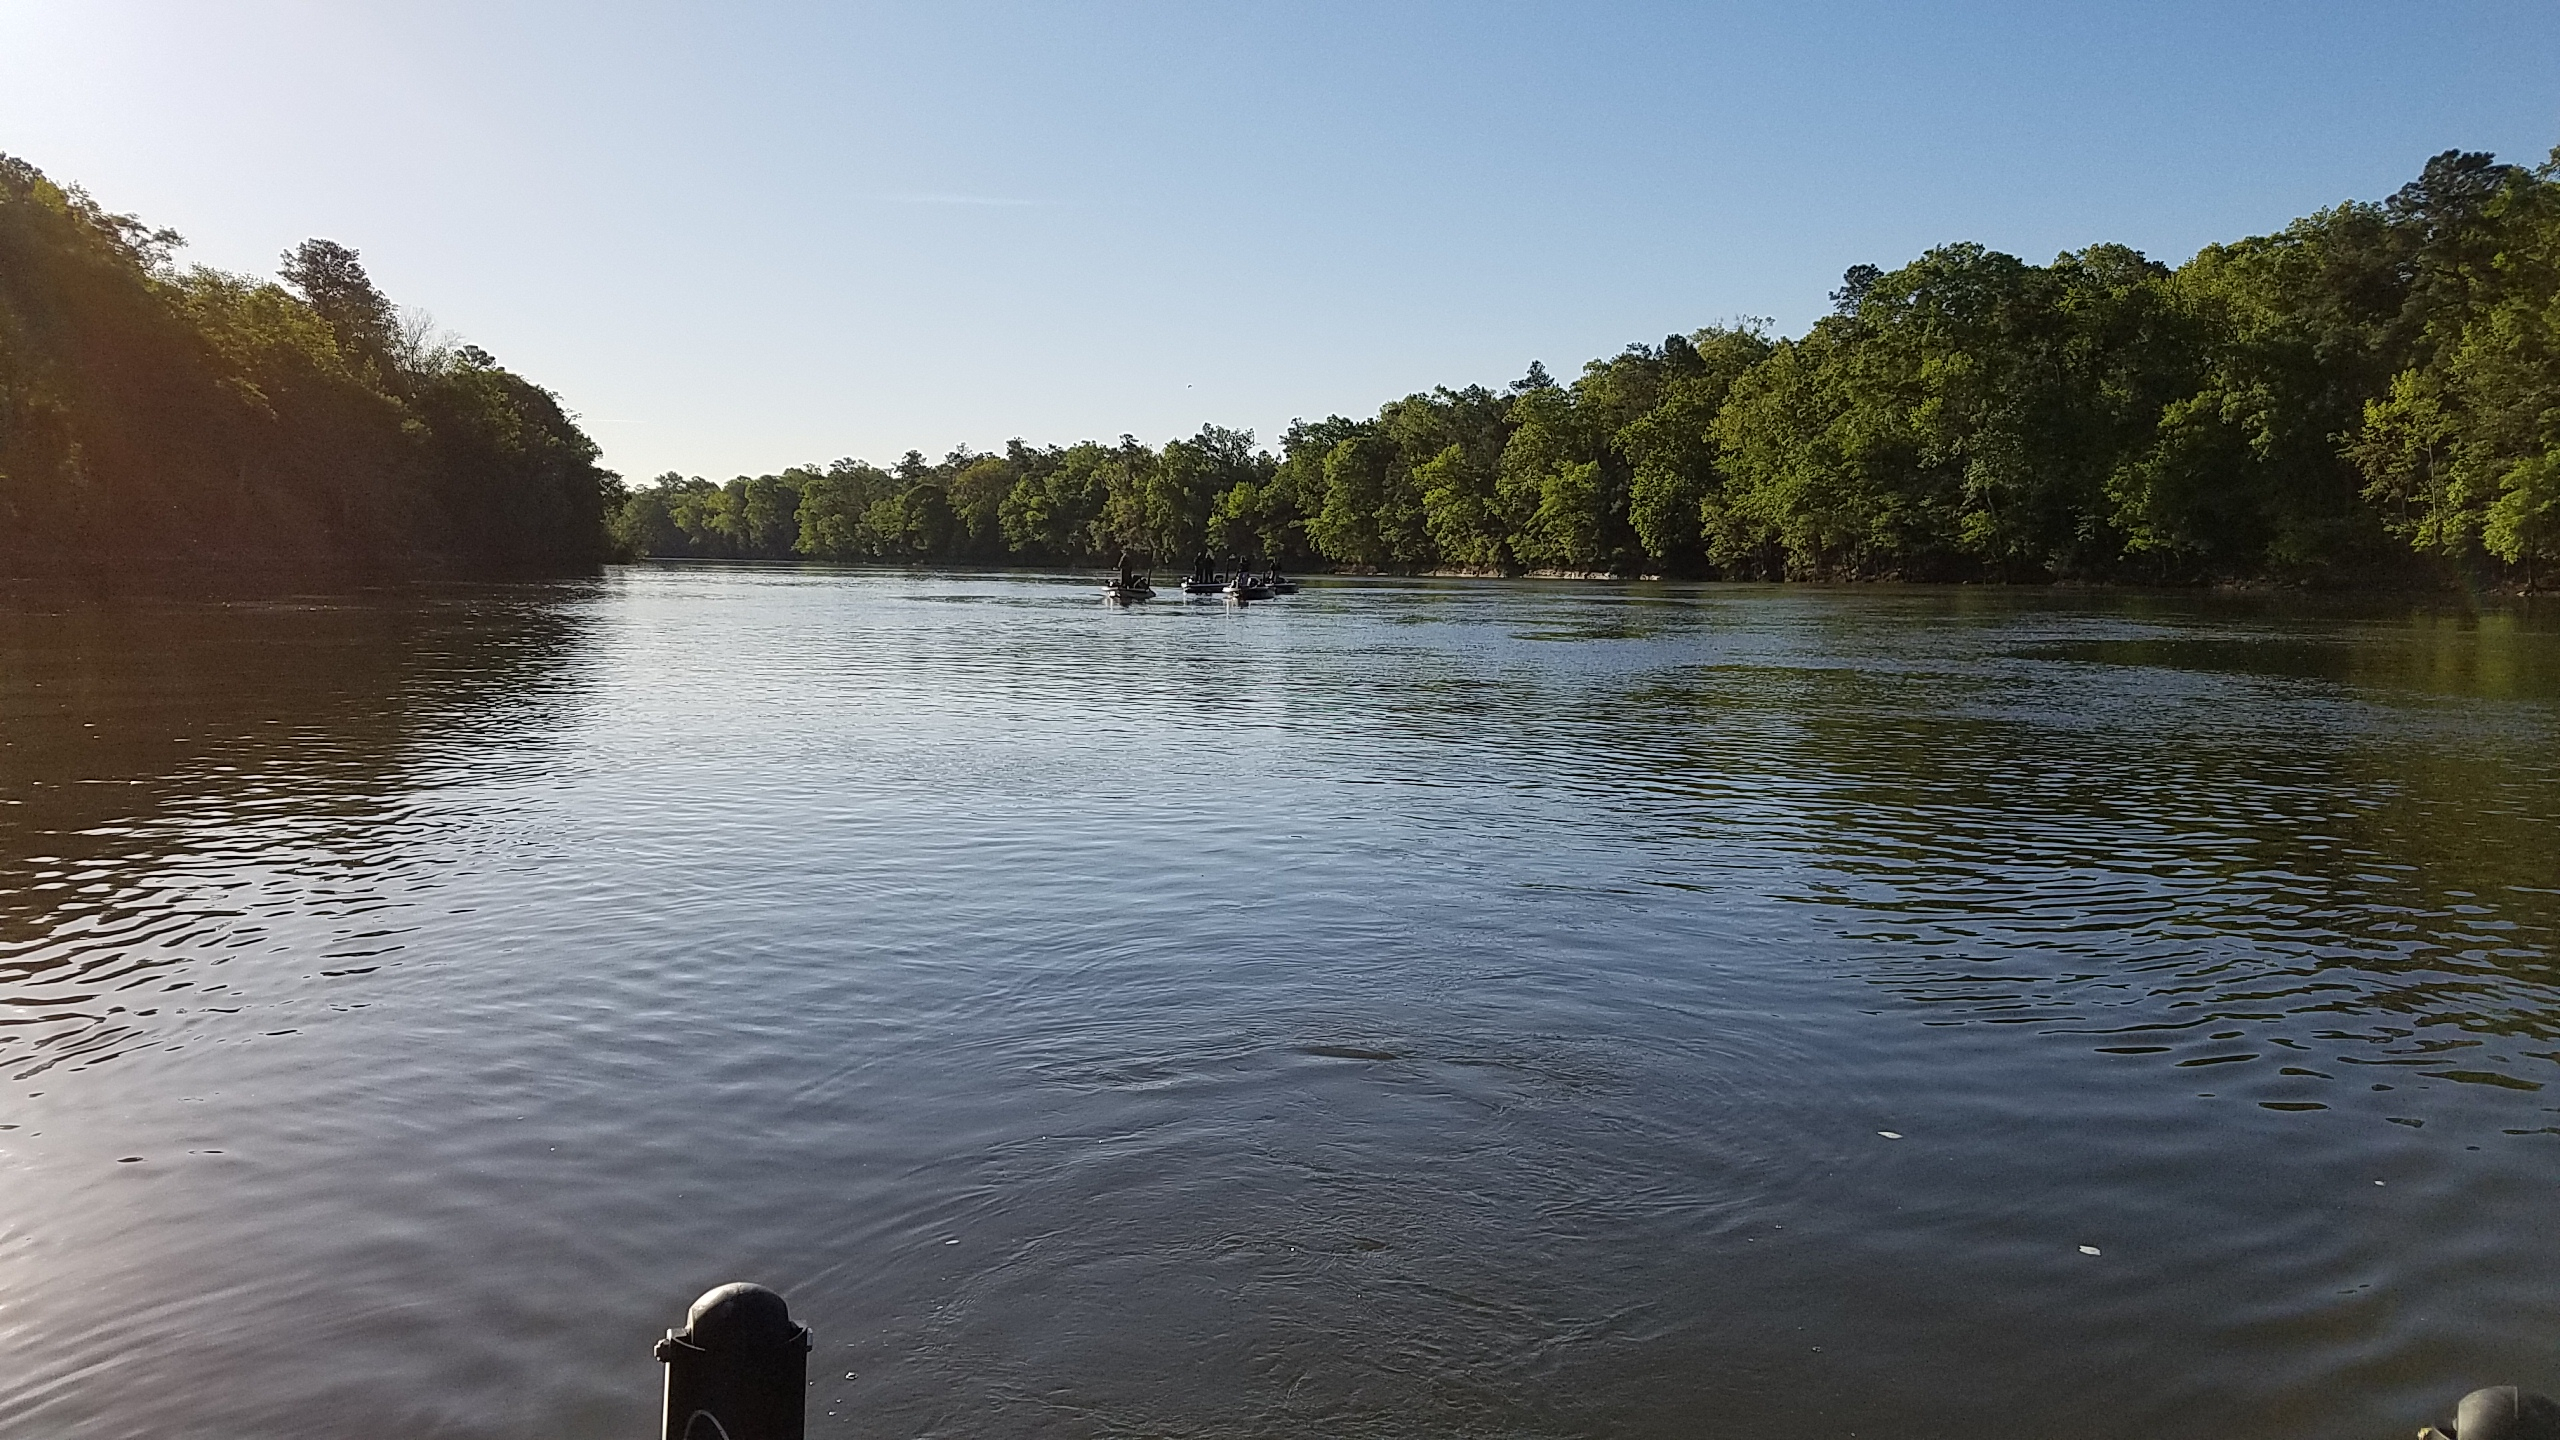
(1051, 512)
(1552, 484)
(2463, 453)
(1675, 464)
(2371, 395)
(1350, 525)
(501, 451)
(331, 282)
(155, 421)
(2366, 392)
(1795, 498)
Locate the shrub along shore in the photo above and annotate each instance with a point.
(2370, 397)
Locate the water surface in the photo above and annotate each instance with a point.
(1404, 1008)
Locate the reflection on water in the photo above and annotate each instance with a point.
(1407, 1007)
(177, 778)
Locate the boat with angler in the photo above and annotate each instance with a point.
(1128, 587)
(1241, 582)
(1204, 578)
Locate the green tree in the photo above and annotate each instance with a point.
(2463, 452)
(1050, 513)
(977, 494)
(1563, 497)
(328, 277)
(1670, 447)
(153, 421)
(833, 505)
(1346, 527)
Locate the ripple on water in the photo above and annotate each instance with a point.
(1413, 1006)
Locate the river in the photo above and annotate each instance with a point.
(1404, 1008)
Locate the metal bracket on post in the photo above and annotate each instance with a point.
(738, 1370)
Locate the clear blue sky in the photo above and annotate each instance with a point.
(741, 236)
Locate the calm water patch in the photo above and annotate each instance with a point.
(1402, 1008)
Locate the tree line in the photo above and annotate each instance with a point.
(159, 420)
(2369, 396)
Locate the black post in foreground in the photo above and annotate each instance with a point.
(738, 1370)
(2501, 1412)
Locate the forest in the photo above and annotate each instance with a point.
(166, 422)
(2370, 397)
